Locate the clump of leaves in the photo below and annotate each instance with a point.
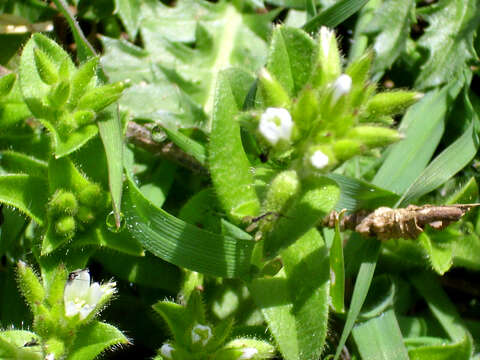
(195, 338)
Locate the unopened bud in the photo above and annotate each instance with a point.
(328, 65)
(391, 103)
(59, 94)
(374, 136)
(100, 97)
(273, 93)
(46, 69)
(341, 87)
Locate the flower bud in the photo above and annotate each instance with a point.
(91, 195)
(320, 158)
(283, 187)
(65, 227)
(46, 69)
(100, 97)
(63, 203)
(6, 84)
(166, 351)
(273, 93)
(276, 124)
(391, 103)
(328, 62)
(345, 149)
(85, 215)
(201, 334)
(374, 136)
(30, 285)
(341, 87)
(306, 109)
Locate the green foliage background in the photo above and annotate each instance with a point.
(157, 147)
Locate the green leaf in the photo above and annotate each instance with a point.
(439, 249)
(337, 271)
(316, 200)
(461, 350)
(112, 137)
(423, 126)
(291, 58)
(27, 193)
(129, 12)
(380, 338)
(15, 162)
(188, 145)
(229, 166)
(391, 24)
(295, 301)
(12, 345)
(439, 304)
(369, 251)
(358, 194)
(183, 244)
(452, 29)
(93, 339)
(334, 15)
(450, 161)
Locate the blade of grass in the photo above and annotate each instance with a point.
(439, 304)
(380, 338)
(188, 145)
(337, 270)
(450, 161)
(334, 15)
(370, 251)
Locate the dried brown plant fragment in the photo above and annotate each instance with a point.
(407, 223)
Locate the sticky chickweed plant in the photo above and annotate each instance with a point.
(234, 180)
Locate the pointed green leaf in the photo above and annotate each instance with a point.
(229, 166)
(291, 58)
(27, 193)
(129, 12)
(95, 338)
(295, 301)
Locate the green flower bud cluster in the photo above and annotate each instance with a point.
(334, 117)
(195, 339)
(61, 307)
(70, 212)
(73, 99)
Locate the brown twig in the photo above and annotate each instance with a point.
(407, 223)
(142, 137)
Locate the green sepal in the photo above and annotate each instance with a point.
(359, 72)
(46, 68)
(56, 347)
(83, 117)
(271, 91)
(59, 94)
(345, 149)
(65, 227)
(6, 84)
(374, 136)
(305, 109)
(83, 77)
(328, 65)
(100, 97)
(30, 285)
(56, 288)
(391, 103)
(177, 320)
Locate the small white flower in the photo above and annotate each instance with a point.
(341, 86)
(50, 356)
(248, 353)
(201, 333)
(276, 124)
(166, 351)
(319, 160)
(82, 297)
(325, 40)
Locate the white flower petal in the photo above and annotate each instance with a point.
(319, 160)
(78, 286)
(166, 351)
(341, 86)
(248, 353)
(325, 40)
(276, 124)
